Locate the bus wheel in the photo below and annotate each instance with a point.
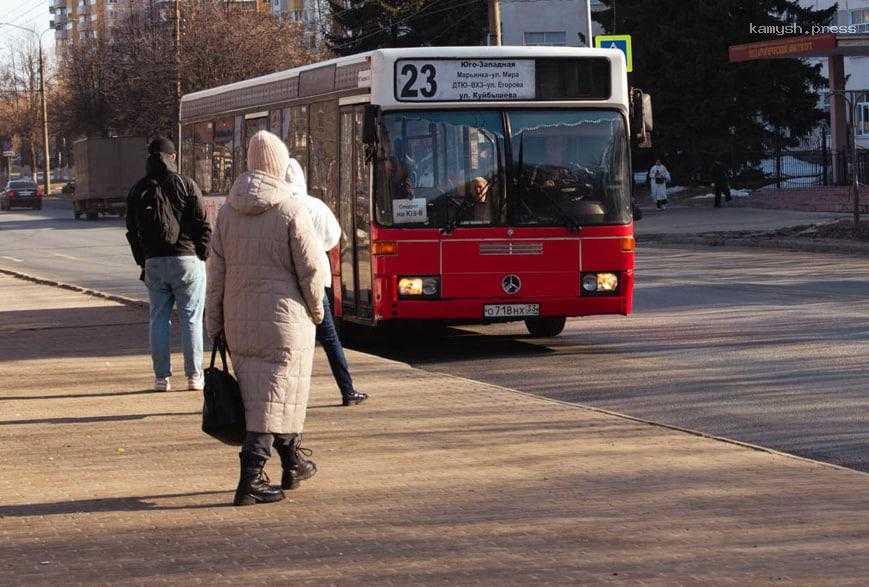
(545, 327)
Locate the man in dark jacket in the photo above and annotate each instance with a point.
(174, 272)
(722, 183)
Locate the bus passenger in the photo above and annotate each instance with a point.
(264, 297)
(174, 272)
(329, 231)
(400, 170)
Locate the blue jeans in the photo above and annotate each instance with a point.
(328, 337)
(172, 280)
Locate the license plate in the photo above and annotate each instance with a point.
(510, 310)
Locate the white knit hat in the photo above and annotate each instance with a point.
(296, 177)
(268, 154)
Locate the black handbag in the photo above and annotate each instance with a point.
(223, 409)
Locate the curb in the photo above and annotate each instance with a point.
(78, 289)
(721, 240)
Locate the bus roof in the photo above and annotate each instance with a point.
(391, 55)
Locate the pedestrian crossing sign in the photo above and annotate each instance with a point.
(620, 42)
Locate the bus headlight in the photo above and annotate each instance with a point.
(599, 283)
(419, 287)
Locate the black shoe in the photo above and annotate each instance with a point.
(253, 485)
(295, 464)
(357, 397)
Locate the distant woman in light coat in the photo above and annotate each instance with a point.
(658, 179)
(265, 294)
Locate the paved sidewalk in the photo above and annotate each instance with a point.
(435, 480)
(684, 220)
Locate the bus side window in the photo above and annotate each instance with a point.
(240, 147)
(276, 122)
(224, 129)
(297, 135)
(323, 151)
(187, 150)
(203, 145)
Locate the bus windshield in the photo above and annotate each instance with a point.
(557, 167)
(442, 167)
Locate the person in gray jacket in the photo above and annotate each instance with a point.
(265, 295)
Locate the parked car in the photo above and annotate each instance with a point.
(21, 193)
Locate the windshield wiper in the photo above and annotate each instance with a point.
(571, 222)
(453, 222)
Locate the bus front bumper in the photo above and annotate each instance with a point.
(476, 310)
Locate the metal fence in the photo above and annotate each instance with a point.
(806, 168)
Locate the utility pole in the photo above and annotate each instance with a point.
(178, 79)
(45, 153)
(588, 38)
(495, 22)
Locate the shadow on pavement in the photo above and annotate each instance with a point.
(75, 332)
(83, 395)
(95, 419)
(41, 223)
(109, 504)
(441, 346)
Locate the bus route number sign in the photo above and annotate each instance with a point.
(464, 80)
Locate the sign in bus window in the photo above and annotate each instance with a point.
(409, 211)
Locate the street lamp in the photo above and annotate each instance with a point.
(46, 180)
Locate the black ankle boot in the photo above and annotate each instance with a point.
(253, 484)
(356, 397)
(296, 467)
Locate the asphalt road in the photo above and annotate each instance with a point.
(766, 347)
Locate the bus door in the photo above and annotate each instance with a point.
(355, 216)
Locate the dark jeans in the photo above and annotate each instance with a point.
(328, 337)
(260, 443)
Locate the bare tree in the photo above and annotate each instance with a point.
(19, 99)
(122, 82)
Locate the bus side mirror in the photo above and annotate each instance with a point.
(371, 125)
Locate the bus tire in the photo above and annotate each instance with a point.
(545, 327)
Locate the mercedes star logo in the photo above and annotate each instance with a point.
(511, 284)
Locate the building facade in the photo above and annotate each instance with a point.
(852, 18)
(559, 23)
(311, 13)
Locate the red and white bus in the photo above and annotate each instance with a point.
(472, 184)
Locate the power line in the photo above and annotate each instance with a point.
(404, 20)
(17, 19)
(452, 26)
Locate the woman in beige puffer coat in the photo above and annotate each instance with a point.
(265, 294)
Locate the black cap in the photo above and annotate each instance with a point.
(161, 145)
